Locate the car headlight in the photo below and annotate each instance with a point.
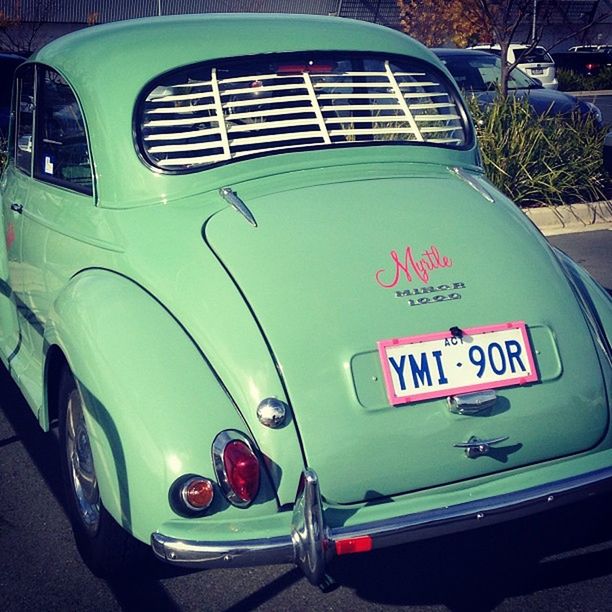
(594, 112)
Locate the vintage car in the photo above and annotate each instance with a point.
(253, 271)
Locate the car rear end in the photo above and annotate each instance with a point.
(537, 64)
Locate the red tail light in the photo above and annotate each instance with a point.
(237, 467)
(591, 67)
(242, 470)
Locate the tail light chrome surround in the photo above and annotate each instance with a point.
(219, 446)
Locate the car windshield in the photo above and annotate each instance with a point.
(213, 113)
(482, 72)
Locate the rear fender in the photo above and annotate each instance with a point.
(152, 404)
(595, 301)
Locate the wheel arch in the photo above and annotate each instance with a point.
(152, 403)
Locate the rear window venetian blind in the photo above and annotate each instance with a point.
(209, 114)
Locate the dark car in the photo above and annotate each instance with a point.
(8, 64)
(586, 63)
(478, 72)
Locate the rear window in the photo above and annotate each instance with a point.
(535, 56)
(213, 113)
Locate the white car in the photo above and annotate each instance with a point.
(536, 63)
(591, 49)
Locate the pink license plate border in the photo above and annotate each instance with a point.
(509, 382)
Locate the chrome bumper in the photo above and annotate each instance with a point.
(311, 544)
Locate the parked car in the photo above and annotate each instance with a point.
(536, 63)
(253, 269)
(584, 63)
(8, 64)
(607, 154)
(591, 49)
(478, 72)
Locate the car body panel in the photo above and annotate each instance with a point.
(130, 403)
(297, 238)
(111, 132)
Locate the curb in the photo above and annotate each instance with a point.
(590, 94)
(572, 218)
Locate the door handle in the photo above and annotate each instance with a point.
(475, 447)
(18, 208)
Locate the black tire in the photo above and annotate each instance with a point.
(106, 548)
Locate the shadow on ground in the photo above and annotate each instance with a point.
(472, 571)
(478, 570)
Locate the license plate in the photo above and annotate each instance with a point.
(537, 71)
(438, 365)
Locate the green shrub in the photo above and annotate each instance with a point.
(539, 160)
(572, 81)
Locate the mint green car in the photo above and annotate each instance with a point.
(253, 271)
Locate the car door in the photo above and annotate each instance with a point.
(60, 196)
(15, 193)
(50, 186)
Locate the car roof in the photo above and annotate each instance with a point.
(443, 51)
(110, 65)
(12, 57)
(158, 44)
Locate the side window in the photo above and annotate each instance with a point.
(25, 119)
(62, 154)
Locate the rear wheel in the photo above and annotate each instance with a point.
(107, 549)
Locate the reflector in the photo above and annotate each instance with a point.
(354, 545)
(198, 493)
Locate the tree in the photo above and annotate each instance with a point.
(436, 22)
(24, 36)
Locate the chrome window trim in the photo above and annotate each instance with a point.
(269, 146)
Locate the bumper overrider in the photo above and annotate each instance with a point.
(311, 544)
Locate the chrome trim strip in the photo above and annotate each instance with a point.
(243, 553)
(231, 197)
(389, 532)
(472, 403)
(473, 182)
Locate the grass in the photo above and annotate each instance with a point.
(572, 81)
(539, 159)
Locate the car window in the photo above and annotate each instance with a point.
(62, 154)
(483, 72)
(208, 114)
(25, 119)
(537, 55)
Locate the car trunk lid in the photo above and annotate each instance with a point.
(332, 270)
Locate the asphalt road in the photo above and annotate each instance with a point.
(561, 561)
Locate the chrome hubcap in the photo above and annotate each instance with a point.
(80, 463)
